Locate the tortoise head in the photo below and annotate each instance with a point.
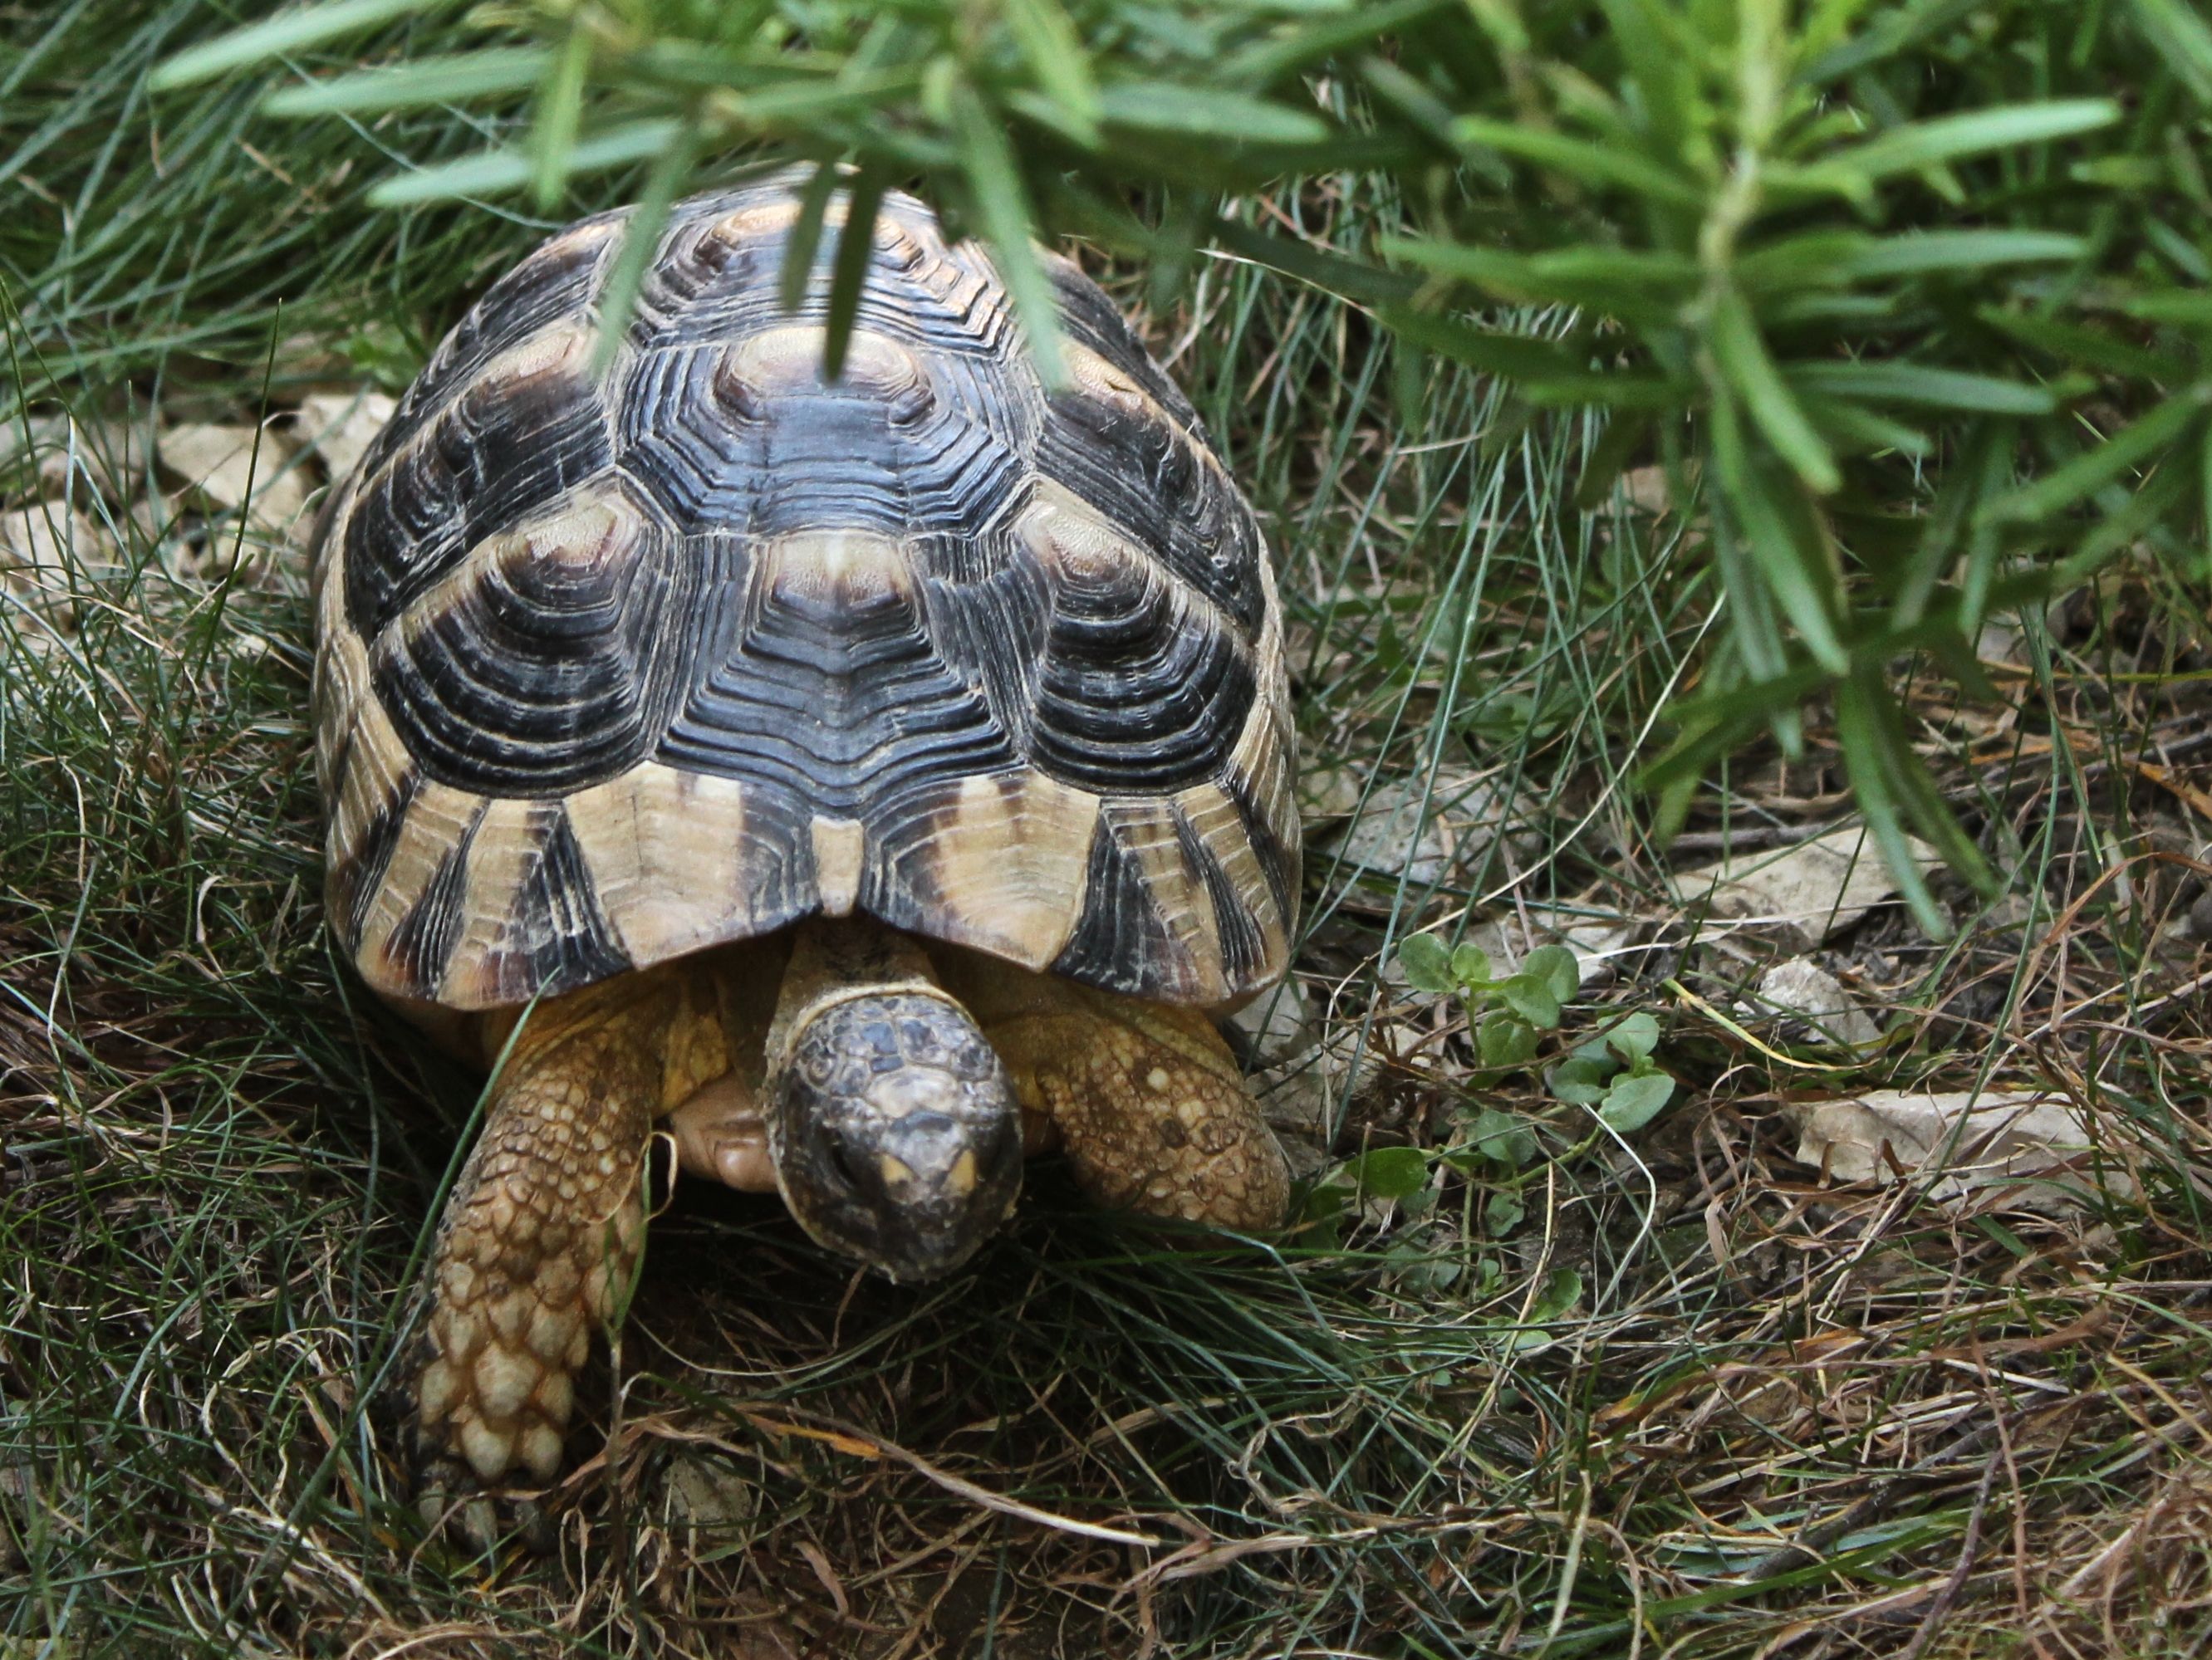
(895, 1132)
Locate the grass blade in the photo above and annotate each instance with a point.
(1002, 203)
(492, 173)
(293, 32)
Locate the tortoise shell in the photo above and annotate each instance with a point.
(615, 669)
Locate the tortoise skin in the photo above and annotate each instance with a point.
(612, 672)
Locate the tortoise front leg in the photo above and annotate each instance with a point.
(1147, 1101)
(541, 1234)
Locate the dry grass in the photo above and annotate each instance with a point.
(1670, 1393)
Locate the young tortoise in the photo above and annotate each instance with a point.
(871, 780)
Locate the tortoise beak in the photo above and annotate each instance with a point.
(894, 1133)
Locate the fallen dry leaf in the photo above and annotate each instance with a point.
(1819, 887)
(1430, 832)
(2024, 1151)
(219, 463)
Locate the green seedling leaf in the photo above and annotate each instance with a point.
(1556, 967)
(1427, 964)
(1501, 1214)
(1930, 388)
(1501, 1137)
(2101, 464)
(1054, 51)
(1744, 358)
(1389, 1172)
(1562, 1289)
(1470, 966)
(1634, 1099)
(1505, 1041)
(2183, 38)
(1921, 252)
(1635, 1037)
(1002, 202)
(1530, 996)
(1589, 163)
(1581, 1079)
(489, 173)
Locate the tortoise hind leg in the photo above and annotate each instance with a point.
(1147, 1101)
(542, 1232)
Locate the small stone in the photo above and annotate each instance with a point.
(2035, 1152)
(1274, 1025)
(46, 550)
(1327, 792)
(703, 1493)
(1809, 994)
(48, 539)
(339, 426)
(2200, 916)
(1647, 490)
(1302, 1096)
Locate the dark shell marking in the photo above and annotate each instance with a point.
(610, 671)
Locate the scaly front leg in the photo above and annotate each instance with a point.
(1146, 1100)
(542, 1232)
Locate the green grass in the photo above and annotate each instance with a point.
(1693, 1401)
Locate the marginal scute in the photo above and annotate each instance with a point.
(618, 667)
(533, 918)
(1249, 923)
(681, 860)
(412, 921)
(1147, 927)
(985, 863)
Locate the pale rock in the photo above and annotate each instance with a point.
(1804, 991)
(1274, 1025)
(705, 1494)
(1819, 887)
(2029, 1151)
(1647, 489)
(339, 426)
(1426, 833)
(218, 463)
(50, 537)
(1325, 792)
(1300, 1096)
(2001, 641)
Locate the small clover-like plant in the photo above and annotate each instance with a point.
(1508, 1011)
(1399, 1174)
(1614, 1074)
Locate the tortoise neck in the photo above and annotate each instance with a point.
(834, 959)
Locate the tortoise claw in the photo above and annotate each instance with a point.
(460, 1512)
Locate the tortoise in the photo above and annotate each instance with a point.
(868, 781)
